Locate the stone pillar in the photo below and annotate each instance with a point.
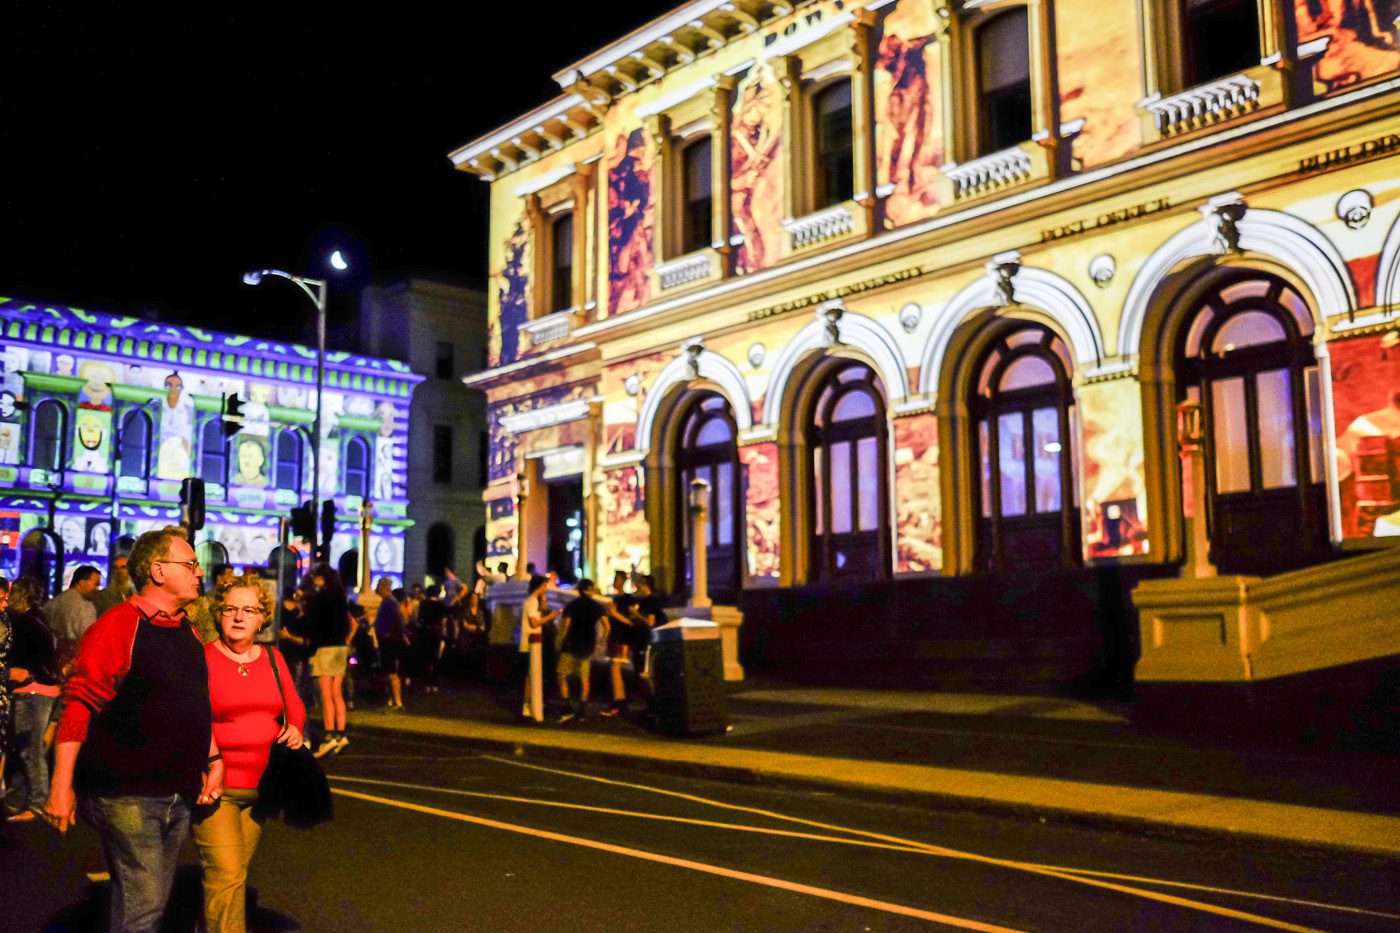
(366, 595)
(1193, 466)
(699, 534)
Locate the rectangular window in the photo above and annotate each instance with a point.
(835, 145)
(1011, 463)
(1004, 80)
(445, 360)
(699, 201)
(1277, 450)
(1313, 395)
(1231, 440)
(841, 517)
(984, 447)
(442, 453)
(1045, 422)
(562, 278)
(1222, 37)
(723, 511)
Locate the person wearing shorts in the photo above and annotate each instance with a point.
(331, 627)
(578, 643)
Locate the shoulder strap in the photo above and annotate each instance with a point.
(271, 653)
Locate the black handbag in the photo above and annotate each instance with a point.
(293, 787)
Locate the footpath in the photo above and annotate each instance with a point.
(1034, 757)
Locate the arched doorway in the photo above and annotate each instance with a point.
(847, 435)
(1244, 352)
(1021, 407)
(41, 559)
(708, 450)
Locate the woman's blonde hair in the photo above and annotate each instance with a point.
(248, 581)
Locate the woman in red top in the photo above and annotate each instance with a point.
(247, 709)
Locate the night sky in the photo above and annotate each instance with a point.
(152, 153)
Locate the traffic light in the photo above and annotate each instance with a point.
(303, 522)
(233, 414)
(323, 550)
(192, 503)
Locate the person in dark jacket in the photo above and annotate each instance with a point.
(331, 628)
(135, 735)
(34, 686)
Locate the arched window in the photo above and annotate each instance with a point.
(357, 467)
(833, 146)
(1004, 81)
(709, 451)
(136, 445)
(698, 200)
(213, 452)
(1221, 38)
(288, 459)
(47, 436)
(1025, 453)
(847, 437)
(1247, 358)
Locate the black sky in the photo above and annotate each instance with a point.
(152, 153)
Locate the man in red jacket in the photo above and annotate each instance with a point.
(135, 737)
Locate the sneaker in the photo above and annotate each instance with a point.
(328, 745)
(340, 744)
(565, 717)
(611, 710)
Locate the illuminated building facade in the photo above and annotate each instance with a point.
(102, 417)
(917, 287)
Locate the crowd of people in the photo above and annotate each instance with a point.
(148, 707)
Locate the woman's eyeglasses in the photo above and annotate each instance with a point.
(247, 612)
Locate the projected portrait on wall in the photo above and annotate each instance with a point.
(9, 444)
(251, 463)
(1362, 38)
(90, 431)
(96, 392)
(909, 119)
(1366, 400)
(755, 150)
(174, 456)
(514, 297)
(630, 230)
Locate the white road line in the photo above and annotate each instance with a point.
(660, 817)
(1061, 873)
(824, 893)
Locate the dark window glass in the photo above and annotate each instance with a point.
(699, 205)
(135, 445)
(1222, 37)
(289, 447)
(444, 360)
(1004, 81)
(213, 452)
(562, 279)
(835, 145)
(708, 452)
(442, 453)
(46, 448)
(357, 468)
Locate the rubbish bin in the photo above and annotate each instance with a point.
(688, 674)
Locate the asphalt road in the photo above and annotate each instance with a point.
(430, 837)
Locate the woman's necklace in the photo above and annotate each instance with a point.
(242, 660)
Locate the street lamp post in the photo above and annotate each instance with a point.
(315, 289)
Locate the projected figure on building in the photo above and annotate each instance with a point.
(252, 461)
(629, 224)
(515, 308)
(174, 456)
(908, 110)
(96, 392)
(755, 167)
(91, 429)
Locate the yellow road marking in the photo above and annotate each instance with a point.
(795, 887)
(1065, 874)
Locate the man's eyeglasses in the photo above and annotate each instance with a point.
(188, 564)
(247, 612)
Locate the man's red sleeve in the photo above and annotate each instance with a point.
(104, 657)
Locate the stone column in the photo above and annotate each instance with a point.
(366, 595)
(1192, 446)
(699, 560)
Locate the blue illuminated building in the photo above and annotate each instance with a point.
(102, 416)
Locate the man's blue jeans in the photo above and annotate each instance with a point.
(141, 840)
(31, 718)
